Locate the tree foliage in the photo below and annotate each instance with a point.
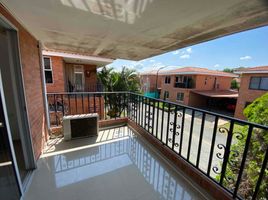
(113, 81)
(125, 80)
(234, 84)
(228, 70)
(256, 112)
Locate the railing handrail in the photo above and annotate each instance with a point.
(142, 110)
(170, 102)
(73, 93)
(207, 112)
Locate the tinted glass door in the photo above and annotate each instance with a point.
(8, 180)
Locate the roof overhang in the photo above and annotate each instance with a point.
(252, 72)
(79, 59)
(134, 29)
(218, 93)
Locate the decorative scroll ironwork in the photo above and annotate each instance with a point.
(177, 128)
(148, 119)
(216, 170)
(232, 153)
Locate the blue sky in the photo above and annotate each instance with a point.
(246, 49)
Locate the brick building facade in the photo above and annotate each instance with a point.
(254, 83)
(72, 73)
(193, 86)
(32, 82)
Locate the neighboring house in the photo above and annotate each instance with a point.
(73, 73)
(199, 87)
(150, 82)
(254, 83)
(65, 72)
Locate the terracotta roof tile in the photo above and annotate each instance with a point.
(249, 69)
(197, 70)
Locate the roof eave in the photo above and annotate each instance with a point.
(252, 72)
(104, 61)
(198, 73)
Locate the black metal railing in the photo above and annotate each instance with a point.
(206, 140)
(109, 105)
(98, 87)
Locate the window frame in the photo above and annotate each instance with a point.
(49, 70)
(259, 83)
(166, 96)
(263, 77)
(167, 78)
(179, 81)
(182, 95)
(82, 72)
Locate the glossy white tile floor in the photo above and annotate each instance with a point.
(116, 165)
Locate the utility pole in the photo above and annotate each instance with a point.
(156, 82)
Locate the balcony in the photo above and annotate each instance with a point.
(187, 82)
(152, 155)
(118, 164)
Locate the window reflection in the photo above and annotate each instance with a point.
(113, 156)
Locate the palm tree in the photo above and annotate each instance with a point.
(126, 80)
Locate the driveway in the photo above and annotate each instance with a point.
(158, 123)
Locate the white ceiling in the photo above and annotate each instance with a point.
(134, 29)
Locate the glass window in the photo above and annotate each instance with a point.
(166, 95)
(47, 63)
(258, 83)
(167, 79)
(179, 79)
(254, 82)
(48, 70)
(180, 96)
(78, 81)
(264, 83)
(48, 75)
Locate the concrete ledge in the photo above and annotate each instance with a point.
(113, 122)
(194, 174)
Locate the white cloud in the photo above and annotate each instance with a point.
(151, 60)
(185, 56)
(245, 58)
(159, 64)
(176, 52)
(189, 50)
(216, 65)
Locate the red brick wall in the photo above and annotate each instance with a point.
(202, 82)
(57, 75)
(223, 82)
(31, 70)
(246, 94)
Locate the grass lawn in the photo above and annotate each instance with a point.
(237, 127)
(165, 105)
